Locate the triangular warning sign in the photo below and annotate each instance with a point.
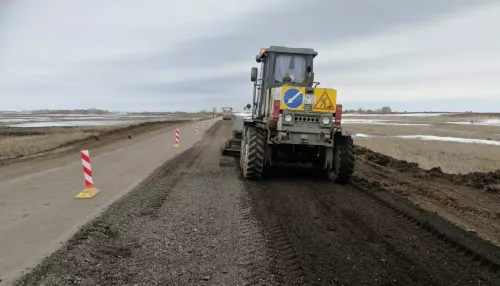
(324, 102)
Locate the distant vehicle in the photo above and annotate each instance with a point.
(227, 113)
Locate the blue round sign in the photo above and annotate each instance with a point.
(293, 98)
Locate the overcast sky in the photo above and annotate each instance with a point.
(135, 55)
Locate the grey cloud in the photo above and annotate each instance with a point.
(210, 85)
(122, 81)
(313, 20)
(215, 90)
(332, 20)
(326, 21)
(192, 95)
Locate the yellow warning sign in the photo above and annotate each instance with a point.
(326, 100)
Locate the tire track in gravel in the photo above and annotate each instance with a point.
(189, 223)
(481, 253)
(286, 267)
(256, 268)
(342, 235)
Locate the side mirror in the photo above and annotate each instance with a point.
(249, 106)
(253, 76)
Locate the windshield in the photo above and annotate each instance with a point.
(294, 65)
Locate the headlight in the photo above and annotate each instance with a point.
(326, 120)
(288, 118)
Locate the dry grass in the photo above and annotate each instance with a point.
(450, 156)
(14, 146)
(431, 119)
(446, 130)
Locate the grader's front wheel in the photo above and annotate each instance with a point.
(343, 160)
(253, 153)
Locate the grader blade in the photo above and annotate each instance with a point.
(231, 147)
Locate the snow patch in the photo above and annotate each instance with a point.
(13, 119)
(361, 135)
(434, 138)
(381, 122)
(71, 123)
(398, 114)
(494, 122)
(449, 139)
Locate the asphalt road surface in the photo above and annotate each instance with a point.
(194, 221)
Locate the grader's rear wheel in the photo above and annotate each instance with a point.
(343, 160)
(253, 153)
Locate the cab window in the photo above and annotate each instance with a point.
(294, 65)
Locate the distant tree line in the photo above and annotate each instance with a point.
(382, 110)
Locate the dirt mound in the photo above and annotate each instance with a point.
(479, 180)
(387, 161)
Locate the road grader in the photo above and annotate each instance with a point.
(227, 113)
(292, 120)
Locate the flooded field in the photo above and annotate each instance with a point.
(455, 142)
(9, 119)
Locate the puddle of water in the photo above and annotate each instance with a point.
(433, 138)
(450, 139)
(72, 123)
(487, 122)
(380, 122)
(399, 114)
(361, 135)
(13, 119)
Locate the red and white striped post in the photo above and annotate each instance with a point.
(87, 170)
(197, 130)
(89, 191)
(203, 124)
(176, 144)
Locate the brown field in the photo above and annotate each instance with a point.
(437, 129)
(452, 157)
(21, 144)
(15, 146)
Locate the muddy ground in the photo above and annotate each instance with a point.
(194, 221)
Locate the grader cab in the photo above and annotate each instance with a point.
(292, 119)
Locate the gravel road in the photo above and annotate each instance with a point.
(38, 210)
(195, 222)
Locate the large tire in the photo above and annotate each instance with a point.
(343, 160)
(254, 153)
